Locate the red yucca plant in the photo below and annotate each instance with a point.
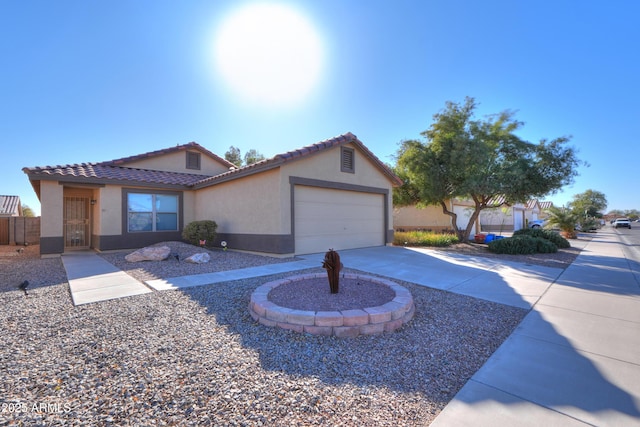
(333, 266)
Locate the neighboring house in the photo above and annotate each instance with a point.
(10, 206)
(544, 207)
(16, 229)
(333, 194)
(505, 217)
(532, 211)
(432, 218)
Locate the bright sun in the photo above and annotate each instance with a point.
(269, 54)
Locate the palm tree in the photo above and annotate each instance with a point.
(565, 219)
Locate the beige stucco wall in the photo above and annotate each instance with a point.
(51, 203)
(247, 205)
(325, 166)
(429, 217)
(108, 213)
(176, 162)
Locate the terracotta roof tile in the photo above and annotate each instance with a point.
(101, 171)
(299, 153)
(116, 170)
(9, 205)
(189, 146)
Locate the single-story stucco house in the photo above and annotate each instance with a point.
(332, 194)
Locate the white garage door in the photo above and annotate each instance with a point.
(337, 219)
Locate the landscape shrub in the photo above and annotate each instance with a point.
(522, 245)
(423, 238)
(545, 246)
(550, 235)
(196, 231)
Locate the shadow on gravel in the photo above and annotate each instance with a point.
(450, 337)
(446, 342)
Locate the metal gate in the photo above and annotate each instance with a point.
(76, 223)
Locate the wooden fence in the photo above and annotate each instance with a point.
(19, 230)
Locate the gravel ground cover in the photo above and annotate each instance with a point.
(195, 357)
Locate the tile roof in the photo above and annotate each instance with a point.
(10, 205)
(531, 204)
(303, 152)
(116, 170)
(184, 147)
(100, 171)
(545, 205)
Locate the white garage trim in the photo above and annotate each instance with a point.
(329, 215)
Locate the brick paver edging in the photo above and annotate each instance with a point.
(346, 323)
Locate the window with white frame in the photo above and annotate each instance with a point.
(152, 212)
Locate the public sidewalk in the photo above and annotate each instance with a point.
(575, 358)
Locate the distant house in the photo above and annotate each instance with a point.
(505, 217)
(432, 218)
(544, 207)
(10, 206)
(332, 194)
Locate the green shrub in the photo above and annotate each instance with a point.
(423, 238)
(196, 231)
(545, 246)
(550, 235)
(522, 245)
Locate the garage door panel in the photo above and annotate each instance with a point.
(327, 218)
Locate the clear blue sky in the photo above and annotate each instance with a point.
(87, 81)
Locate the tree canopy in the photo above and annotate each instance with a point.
(252, 156)
(462, 157)
(234, 156)
(27, 211)
(591, 203)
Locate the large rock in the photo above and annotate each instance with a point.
(201, 258)
(151, 253)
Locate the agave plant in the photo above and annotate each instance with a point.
(564, 219)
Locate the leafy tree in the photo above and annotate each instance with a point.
(591, 203)
(478, 160)
(252, 156)
(233, 156)
(27, 211)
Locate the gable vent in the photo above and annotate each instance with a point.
(193, 160)
(347, 161)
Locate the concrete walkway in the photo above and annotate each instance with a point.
(92, 279)
(575, 358)
(226, 276)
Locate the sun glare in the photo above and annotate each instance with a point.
(269, 54)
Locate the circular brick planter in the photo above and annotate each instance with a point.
(345, 323)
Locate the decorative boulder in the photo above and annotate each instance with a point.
(152, 253)
(201, 258)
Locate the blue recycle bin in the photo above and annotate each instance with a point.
(489, 238)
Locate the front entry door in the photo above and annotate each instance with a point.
(77, 222)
